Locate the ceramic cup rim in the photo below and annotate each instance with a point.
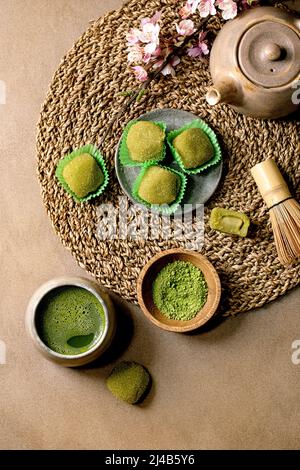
(41, 293)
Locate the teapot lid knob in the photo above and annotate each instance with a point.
(272, 51)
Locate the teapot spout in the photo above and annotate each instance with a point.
(223, 92)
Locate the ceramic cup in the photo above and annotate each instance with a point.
(104, 339)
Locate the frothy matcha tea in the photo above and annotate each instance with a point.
(70, 320)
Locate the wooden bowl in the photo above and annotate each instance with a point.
(148, 275)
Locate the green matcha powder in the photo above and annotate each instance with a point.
(180, 291)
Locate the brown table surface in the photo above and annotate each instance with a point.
(234, 386)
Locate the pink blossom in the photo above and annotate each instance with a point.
(150, 48)
(175, 61)
(140, 73)
(133, 36)
(145, 21)
(169, 68)
(185, 11)
(228, 7)
(189, 8)
(201, 49)
(158, 64)
(202, 36)
(185, 28)
(156, 17)
(135, 54)
(149, 34)
(144, 43)
(146, 58)
(207, 7)
(154, 20)
(193, 4)
(157, 52)
(198, 51)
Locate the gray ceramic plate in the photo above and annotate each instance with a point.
(199, 188)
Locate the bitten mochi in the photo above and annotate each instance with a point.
(230, 222)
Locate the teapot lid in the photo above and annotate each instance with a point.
(269, 54)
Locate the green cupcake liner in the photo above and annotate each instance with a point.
(165, 208)
(94, 152)
(212, 137)
(124, 155)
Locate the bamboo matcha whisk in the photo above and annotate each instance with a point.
(284, 210)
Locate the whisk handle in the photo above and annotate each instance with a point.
(270, 182)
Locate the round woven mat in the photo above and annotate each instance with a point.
(84, 96)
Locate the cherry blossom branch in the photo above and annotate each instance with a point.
(144, 44)
(152, 76)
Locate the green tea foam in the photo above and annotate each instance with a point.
(70, 320)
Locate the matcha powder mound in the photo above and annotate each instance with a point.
(180, 290)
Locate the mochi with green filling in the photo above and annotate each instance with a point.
(194, 147)
(145, 141)
(159, 185)
(83, 175)
(230, 222)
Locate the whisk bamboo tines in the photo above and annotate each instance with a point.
(284, 210)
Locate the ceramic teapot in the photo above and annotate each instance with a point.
(255, 63)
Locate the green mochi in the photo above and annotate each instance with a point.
(145, 141)
(83, 175)
(159, 186)
(128, 381)
(194, 147)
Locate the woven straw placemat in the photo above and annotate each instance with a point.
(84, 96)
